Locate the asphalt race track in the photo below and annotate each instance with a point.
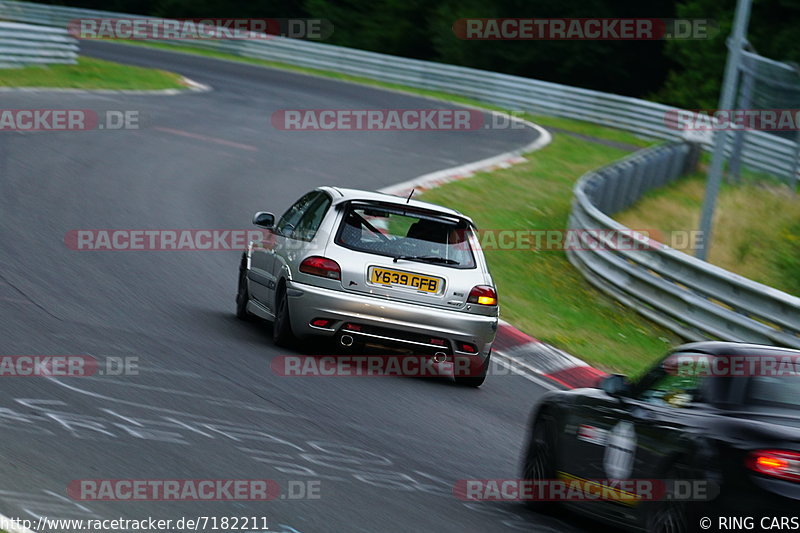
(206, 405)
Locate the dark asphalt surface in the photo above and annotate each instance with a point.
(205, 403)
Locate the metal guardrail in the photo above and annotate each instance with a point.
(28, 44)
(691, 297)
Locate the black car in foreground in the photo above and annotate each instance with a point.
(722, 417)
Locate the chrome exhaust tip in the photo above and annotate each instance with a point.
(439, 357)
(346, 340)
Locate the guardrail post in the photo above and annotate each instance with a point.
(662, 167)
(611, 189)
(736, 44)
(745, 97)
(692, 159)
(676, 162)
(627, 174)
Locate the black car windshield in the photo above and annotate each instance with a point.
(406, 235)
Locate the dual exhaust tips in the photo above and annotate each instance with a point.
(347, 341)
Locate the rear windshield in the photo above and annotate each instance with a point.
(406, 234)
(781, 392)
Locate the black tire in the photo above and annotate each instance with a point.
(282, 328)
(539, 463)
(668, 515)
(242, 297)
(475, 376)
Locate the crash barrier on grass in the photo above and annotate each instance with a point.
(690, 297)
(761, 151)
(28, 44)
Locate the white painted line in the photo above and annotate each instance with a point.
(208, 399)
(195, 85)
(182, 373)
(434, 179)
(514, 366)
(191, 87)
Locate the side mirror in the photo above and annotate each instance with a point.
(263, 219)
(615, 385)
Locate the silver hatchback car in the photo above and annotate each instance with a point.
(370, 269)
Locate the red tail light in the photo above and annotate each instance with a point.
(775, 463)
(321, 266)
(483, 295)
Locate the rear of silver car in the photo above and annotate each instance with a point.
(398, 277)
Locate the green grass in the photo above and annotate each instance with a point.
(592, 130)
(540, 292)
(91, 73)
(756, 226)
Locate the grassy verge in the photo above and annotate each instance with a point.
(91, 73)
(756, 226)
(540, 292)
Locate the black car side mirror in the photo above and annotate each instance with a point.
(615, 385)
(263, 219)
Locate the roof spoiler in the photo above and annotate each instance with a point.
(399, 207)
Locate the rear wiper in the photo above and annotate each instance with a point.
(428, 258)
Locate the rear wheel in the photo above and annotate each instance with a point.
(669, 515)
(476, 374)
(282, 328)
(242, 297)
(539, 464)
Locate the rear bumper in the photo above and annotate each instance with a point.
(307, 302)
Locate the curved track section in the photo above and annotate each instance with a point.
(205, 404)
